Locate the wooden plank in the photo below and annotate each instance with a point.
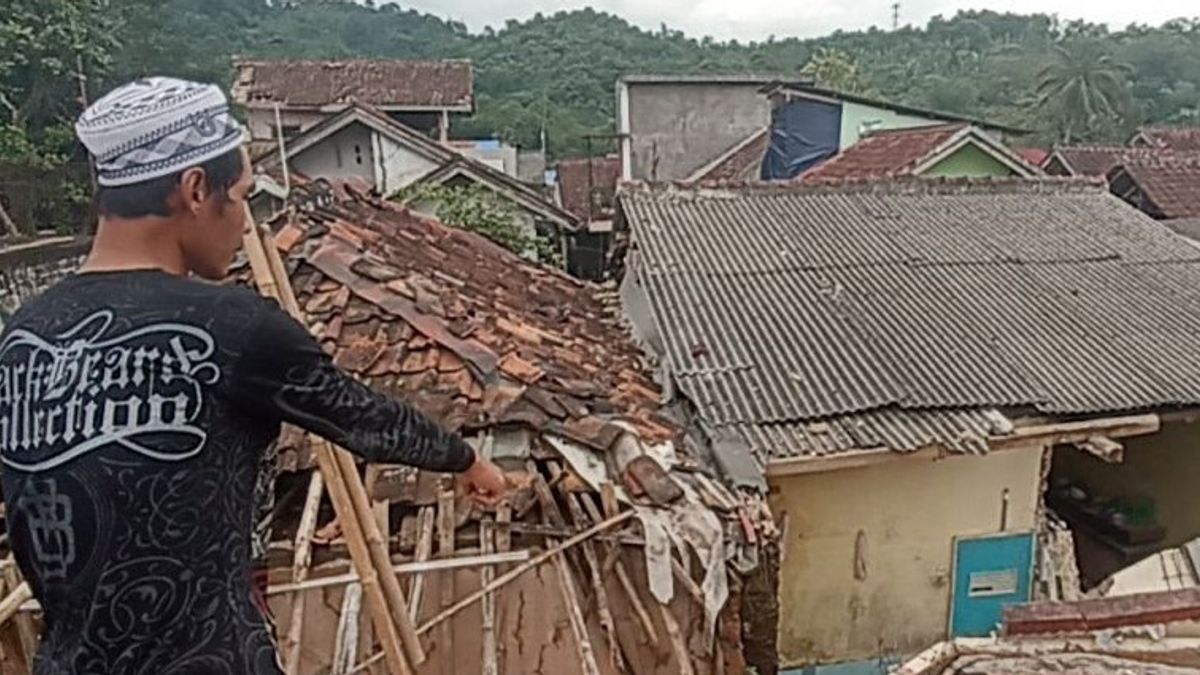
(424, 550)
(487, 575)
(446, 530)
(345, 643)
(301, 565)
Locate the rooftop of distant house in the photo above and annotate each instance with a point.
(587, 185)
(894, 153)
(388, 84)
(1168, 183)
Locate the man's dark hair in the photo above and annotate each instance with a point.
(150, 198)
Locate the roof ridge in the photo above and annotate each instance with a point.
(895, 185)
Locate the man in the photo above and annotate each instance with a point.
(135, 404)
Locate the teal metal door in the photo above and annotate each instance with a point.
(990, 573)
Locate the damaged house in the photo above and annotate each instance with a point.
(963, 394)
(29, 267)
(536, 369)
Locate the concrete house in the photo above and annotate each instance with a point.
(670, 126)
(963, 395)
(420, 94)
(365, 145)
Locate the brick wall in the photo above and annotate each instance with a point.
(28, 269)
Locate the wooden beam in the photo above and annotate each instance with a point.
(1023, 438)
(1103, 448)
(675, 633)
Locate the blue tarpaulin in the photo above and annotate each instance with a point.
(804, 133)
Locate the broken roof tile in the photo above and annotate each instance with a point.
(543, 349)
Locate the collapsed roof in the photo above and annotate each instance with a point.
(819, 320)
(471, 334)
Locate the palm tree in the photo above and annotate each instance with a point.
(1083, 84)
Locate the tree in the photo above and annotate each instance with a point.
(836, 69)
(475, 208)
(1083, 87)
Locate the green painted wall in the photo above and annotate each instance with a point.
(968, 162)
(854, 115)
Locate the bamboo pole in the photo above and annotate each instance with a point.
(631, 592)
(416, 589)
(446, 523)
(271, 278)
(603, 608)
(363, 511)
(507, 578)
(514, 573)
(378, 549)
(368, 576)
(26, 630)
(491, 664)
(301, 564)
(345, 644)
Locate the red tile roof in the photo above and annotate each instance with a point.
(1034, 156)
(466, 331)
(884, 154)
(1097, 160)
(1172, 138)
(742, 162)
(385, 83)
(1169, 183)
(574, 185)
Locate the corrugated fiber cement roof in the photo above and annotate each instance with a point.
(928, 304)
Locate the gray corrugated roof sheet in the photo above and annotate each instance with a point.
(784, 305)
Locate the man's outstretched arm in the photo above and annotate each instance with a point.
(283, 371)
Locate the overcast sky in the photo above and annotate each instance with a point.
(756, 19)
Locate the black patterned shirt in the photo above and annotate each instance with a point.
(134, 410)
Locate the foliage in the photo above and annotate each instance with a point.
(836, 69)
(1084, 87)
(475, 208)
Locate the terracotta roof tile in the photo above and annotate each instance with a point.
(1097, 160)
(584, 180)
(885, 154)
(380, 82)
(530, 345)
(1172, 138)
(743, 161)
(1169, 183)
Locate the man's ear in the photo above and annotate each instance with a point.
(193, 189)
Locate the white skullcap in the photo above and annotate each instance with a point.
(156, 127)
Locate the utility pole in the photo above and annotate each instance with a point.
(895, 16)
